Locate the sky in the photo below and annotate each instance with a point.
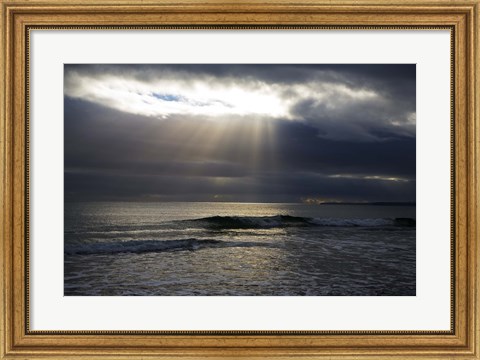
(240, 133)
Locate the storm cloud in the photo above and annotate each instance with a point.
(267, 133)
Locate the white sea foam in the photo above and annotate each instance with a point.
(138, 246)
(354, 222)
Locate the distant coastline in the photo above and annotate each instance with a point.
(379, 203)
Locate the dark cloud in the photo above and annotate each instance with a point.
(278, 187)
(357, 75)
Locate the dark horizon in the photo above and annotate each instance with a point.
(373, 203)
(315, 134)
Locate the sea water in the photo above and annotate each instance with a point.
(233, 249)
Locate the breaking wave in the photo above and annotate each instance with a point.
(266, 222)
(145, 246)
(137, 246)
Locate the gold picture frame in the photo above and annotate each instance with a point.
(19, 17)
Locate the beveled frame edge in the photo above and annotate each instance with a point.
(18, 342)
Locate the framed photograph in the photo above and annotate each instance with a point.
(239, 179)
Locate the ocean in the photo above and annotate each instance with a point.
(238, 249)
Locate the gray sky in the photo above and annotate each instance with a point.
(254, 133)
